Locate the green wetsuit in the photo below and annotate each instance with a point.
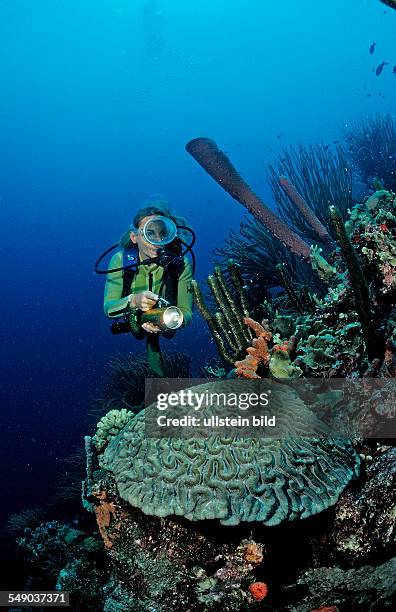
(115, 305)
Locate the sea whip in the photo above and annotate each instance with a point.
(206, 152)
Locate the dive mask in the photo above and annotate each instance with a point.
(159, 230)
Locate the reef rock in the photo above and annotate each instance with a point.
(368, 588)
(365, 519)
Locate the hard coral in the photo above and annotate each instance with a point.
(256, 479)
(109, 426)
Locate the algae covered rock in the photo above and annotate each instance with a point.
(368, 588)
(365, 519)
(232, 478)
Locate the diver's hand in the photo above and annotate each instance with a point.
(151, 328)
(144, 300)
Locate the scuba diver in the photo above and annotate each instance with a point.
(148, 286)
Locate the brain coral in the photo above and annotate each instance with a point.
(232, 478)
(109, 426)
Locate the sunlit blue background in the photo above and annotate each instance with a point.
(97, 101)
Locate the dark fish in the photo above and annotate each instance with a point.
(279, 135)
(394, 70)
(336, 141)
(369, 95)
(372, 48)
(326, 147)
(380, 68)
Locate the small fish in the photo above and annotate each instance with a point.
(336, 141)
(369, 95)
(326, 147)
(380, 68)
(279, 136)
(394, 70)
(372, 48)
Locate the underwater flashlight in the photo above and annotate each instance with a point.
(166, 318)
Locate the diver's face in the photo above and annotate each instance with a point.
(146, 250)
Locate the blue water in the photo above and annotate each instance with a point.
(98, 99)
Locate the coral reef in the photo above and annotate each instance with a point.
(305, 181)
(364, 588)
(201, 521)
(342, 332)
(232, 478)
(364, 522)
(62, 557)
(163, 564)
(172, 563)
(373, 231)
